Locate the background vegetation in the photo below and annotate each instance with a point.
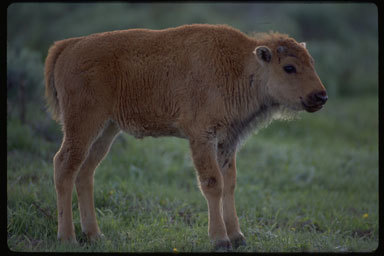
(307, 185)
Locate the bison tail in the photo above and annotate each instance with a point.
(50, 87)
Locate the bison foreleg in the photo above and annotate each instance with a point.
(211, 184)
(231, 220)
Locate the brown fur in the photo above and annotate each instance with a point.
(206, 83)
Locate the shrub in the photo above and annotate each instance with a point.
(24, 79)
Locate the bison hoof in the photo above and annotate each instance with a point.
(238, 241)
(223, 246)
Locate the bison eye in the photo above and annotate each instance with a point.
(289, 69)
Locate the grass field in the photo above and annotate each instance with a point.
(306, 185)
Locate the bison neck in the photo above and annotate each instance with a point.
(261, 117)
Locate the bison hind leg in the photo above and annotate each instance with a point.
(81, 127)
(84, 181)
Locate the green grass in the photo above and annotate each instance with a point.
(306, 185)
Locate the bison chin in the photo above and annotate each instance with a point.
(311, 108)
(288, 113)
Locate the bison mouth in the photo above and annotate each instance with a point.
(311, 108)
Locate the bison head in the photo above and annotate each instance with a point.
(291, 79)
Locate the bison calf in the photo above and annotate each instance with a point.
(210, 84)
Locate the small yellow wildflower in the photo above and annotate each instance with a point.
(175, 250)
(365, 215)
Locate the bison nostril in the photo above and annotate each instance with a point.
(321, 97)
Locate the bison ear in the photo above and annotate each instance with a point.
(263, 54)
(303, 44)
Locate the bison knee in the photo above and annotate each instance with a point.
(211, 185)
